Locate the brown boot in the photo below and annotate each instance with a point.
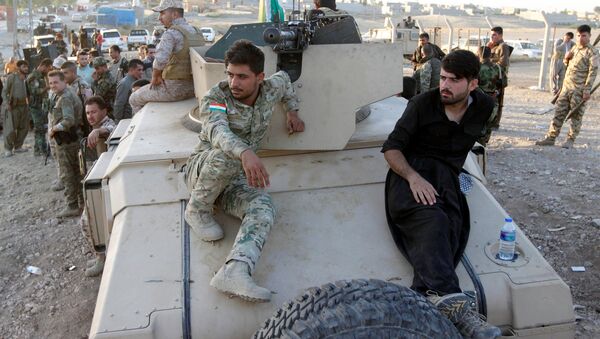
(547, 141)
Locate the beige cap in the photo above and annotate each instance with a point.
(164, 4)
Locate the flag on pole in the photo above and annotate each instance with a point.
(270, 10)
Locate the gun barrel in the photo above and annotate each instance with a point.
(274, 35)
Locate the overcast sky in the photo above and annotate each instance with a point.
(548, 5)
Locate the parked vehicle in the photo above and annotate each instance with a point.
(157, 34)
(112, 37)
(76, 18)
(209, 33)
(524, 48)
(57, 27)
(138, 37)
(42, 40)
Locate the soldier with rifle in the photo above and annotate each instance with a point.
(37, 90)
(582, 62)
(500, 56)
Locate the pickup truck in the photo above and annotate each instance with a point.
(138, 37)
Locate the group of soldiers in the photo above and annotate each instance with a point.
(573, 70)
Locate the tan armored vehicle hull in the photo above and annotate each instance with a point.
(328, 188)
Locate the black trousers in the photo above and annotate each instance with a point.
(432, 238)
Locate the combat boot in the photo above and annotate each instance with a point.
(96, 269)
(20, 150)
(8, 154)
(234, 279)
(69, 212)
(547, 141)
(473, 325)
(457, 308)
(568, 144)
(204, 225)
(57, 185)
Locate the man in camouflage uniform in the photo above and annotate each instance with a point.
(500, 56)
(582, 67)
(490, 82)
(16, 118)
(102, 127)
(81, 89)
(118, 64)
(329, 8)
(557, 66)
(428, 75)
(65, 111)
(235, 115)
(418, 56)
(38, 96)
(104, 85)
(172, 69)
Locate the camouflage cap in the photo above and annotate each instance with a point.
(99, 61)
(164, 4)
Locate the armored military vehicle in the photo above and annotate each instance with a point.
(331, 231)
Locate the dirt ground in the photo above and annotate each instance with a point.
(543, 189)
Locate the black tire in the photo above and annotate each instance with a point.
(358, 309)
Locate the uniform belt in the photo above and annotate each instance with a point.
(19, 101)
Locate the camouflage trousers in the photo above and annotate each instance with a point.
(53, 152)
(40, 121)
(488, 125)
(213, 175)
(567, 100)
(172, 90)
(16, 126)
(70, 175)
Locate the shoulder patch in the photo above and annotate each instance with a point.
(215, 106)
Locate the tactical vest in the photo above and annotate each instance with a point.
(179, 66)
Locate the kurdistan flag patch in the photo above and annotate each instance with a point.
(215, 106)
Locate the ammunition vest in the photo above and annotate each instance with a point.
(179, 66)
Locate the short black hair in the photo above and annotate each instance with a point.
(424, 35)
(584, 29)
(462, 63)
(115, 48)
(326, 3)
(134, 62)
(485, 52)
(140, 83)
(98, 100)
(569, 34)
(244, 52)
(46, 62)
(151, 46)
(21, 63)
(498, 30)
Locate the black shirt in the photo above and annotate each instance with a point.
(424, 130)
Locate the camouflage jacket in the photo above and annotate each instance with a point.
(582, 69)
(65, 110)
(418, 58)
(81, 88)
(500, 55)
(489, 77)
(429, 76)
(36, 89)
(234, 127)
(106, 87)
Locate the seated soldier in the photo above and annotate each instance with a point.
(426, 211)
(102, 126)
(329, 8)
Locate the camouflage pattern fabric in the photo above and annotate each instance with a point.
(70, 176)
(106, 87)
(489, 78)
(66, 110)
(580, 76)
(38, 95)
(172, 90)
(214, 169)
(429, 75)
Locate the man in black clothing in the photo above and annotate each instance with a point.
(427, 213)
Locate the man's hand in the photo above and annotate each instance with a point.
(422, 190)
(294, 123)
(256, 173)
(92, 138)
(157, 79)
(586, 95)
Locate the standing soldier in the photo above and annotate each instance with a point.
(65, 113)
(582, 67)
(104, 85)
(38, 95)
(81, 89)
(490, 82)
(84, 41)
(500, 56)
(16, 119)
(417, 58)
(172, 69)
(557, 66)
(428, 75)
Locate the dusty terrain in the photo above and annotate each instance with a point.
(541, 188)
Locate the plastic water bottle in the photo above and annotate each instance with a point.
(506, 245)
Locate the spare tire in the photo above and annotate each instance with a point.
(358, 309)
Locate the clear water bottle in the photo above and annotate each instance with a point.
(506, 245)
